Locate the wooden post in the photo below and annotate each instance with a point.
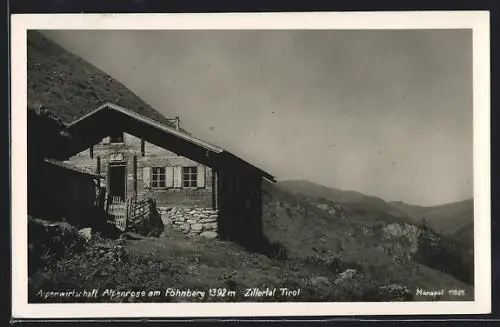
(106, 206)
(127, 213)
(106, 202)
(214, 190)
(98, 165)
(135, 176)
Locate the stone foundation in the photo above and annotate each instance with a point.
(191, 221)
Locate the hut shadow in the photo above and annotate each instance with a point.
(240, 215)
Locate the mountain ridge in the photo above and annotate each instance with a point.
(351, 191)
(70, 87)
(399, 202)
(454, 220)
(349, 199)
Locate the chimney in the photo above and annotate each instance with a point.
(177, 123)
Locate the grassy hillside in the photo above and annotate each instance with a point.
(321, 251)
(328, 257)
(360, 225)
(70, 87)
(353, 203)
(455, 220)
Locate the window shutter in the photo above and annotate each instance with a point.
(169, 177)
(177, 177)
(200, 180)
(146, 177)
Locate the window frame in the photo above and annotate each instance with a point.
(192, 179)
(156, 174)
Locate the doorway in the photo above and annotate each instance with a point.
(116, 179)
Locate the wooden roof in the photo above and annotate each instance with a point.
(71, 168)
(92, 127)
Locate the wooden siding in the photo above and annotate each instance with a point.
(56, 192)
(240, 206)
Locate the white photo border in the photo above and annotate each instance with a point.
(477, 21)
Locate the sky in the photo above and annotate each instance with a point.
(383, 112)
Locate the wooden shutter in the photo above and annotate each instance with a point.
(105, 140)
(146, 177)
(177, 177)
(200, 180)
(169, 177)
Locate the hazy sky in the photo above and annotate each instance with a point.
(387, 113)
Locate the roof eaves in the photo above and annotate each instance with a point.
(271, 178)
(264, 174)
(166, 128)
(151, 122)
(87, 115)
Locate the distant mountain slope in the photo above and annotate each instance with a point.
(362, 229)
(353, 202)
(455, 220)
(70, 87)
(356, 242)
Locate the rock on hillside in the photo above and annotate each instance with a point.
(70, 87)
(455, 220)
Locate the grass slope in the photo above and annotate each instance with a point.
(70, 87)
(320, 248)
(175, 261)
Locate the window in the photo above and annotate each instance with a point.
(116, 137)
(189, 176)
(158, 177)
